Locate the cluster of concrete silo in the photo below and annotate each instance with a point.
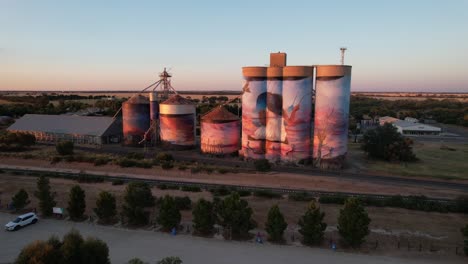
(279, 120)
(220, 132)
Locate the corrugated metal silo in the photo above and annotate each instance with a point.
(220, 132)
(275, 130)
(154, 106)
(254, 112)
(177, 123)
(136, 119)
(297, 113)
(332, 95)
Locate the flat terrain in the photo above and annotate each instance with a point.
(150, 246)
(441, 160)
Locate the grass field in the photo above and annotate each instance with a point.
(437, 160)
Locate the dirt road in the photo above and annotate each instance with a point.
(150, 246)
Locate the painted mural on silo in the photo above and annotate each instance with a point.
(254, 100)
(154, 106)
(332, 88)
(177, 123)
(136, 119)
(275, 130)
(220, 132)
(297, 111)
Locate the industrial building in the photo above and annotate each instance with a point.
(286, 118)
(81, 130)
(410, 126)
(220, 132)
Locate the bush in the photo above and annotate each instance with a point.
(183, 167)
(204, 217)
(37, 252)
(187, 188)
(101, 161)
(45, 196)
(166, 165)
(301, 197)
(275, 224)
(244, 193)
(125, 162)
(135, 155)
(105, 207)
(55, 159)
(262, 165)
(235, 215)
(20, 200)
(118, 182)
(183, 203)
(353, 222)
(465, 239)
(162, 156)
(65, 148)
(169, 215)
(267, 194)
(221, 191)
(76, 203)
(332, 199)
(168, 187)
(94, 251)
(196, 170)
(170, 260)
(223, 170)
(88, 178)
(137, 196)
(311, 224)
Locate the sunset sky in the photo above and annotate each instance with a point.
(123, 45)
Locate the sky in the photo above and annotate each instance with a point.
(417, 45)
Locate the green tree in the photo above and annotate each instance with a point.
(169, 214)
(235, 215)
(94, 251)
(20, 200)
(137, 196)
(105, 207)
(55, 242)
(204, 217)
(385, 142)
(275, 224)
(71, 247)
(76, 203)
(46, 198)
(465, 239)
(170, 260)
(136, 261)
(311, 225)
(38, 252)
(65, 147)
(353, 222)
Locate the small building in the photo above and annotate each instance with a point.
(410, 128)
(81, 130)
(411, 119)
(387, 119)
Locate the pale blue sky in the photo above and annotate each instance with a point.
(122, 45)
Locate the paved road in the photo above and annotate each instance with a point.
(150, 246)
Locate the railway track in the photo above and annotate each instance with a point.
(207, 186)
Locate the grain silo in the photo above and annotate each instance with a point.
(254, 112)
(297, 113)
(136, 119)
(220, 132)
(332, 95)
(154, 106)
(275, 130)
(177, 123)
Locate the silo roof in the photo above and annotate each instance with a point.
(138, 99)
(177, 100)
(220, 113)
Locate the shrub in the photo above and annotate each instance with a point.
(301, 197)
(169, 215)
(223, 170)
(37, 252)
(125, 162)
(46, 198)
(183, 167)
(135, 155)
(76, 203)
(267, 194)
(65, 147)
(262, 165)
(275, 224)
(204, 217)
(221, 191)
(166, 165)
(353, 222)
(183, 203)
(196, 170)
(101, 161)
(55, 159)
(187, 188)
(332, 199)
(105, 207)
(168, 187)
(235, 215)
(311, 224)
(465, 239)
(20, 200)
(170, 260)
(88, 178)
(162, 156)
(243, 193)
(118, 182)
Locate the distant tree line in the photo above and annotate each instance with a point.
(443, 111)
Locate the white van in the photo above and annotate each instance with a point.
(20, 221)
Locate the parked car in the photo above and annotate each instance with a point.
(21, 221)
